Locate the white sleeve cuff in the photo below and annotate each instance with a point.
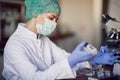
(82, 65)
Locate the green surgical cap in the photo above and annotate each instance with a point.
(36, 7)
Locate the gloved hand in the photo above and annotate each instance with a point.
(104, 56)
(78, 55)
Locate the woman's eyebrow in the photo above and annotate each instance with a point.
(54, 16)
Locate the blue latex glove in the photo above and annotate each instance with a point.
(78, 55)
(104, 56)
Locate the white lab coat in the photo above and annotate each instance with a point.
(27, 57)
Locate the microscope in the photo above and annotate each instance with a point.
(112, 30)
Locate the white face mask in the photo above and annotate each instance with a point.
(46, 28)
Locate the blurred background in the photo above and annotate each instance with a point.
(80, 20)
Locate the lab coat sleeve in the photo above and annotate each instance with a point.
(28, 71)
(57, 53)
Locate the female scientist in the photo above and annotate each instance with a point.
(30, 55)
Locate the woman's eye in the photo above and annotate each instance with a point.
(51, 18)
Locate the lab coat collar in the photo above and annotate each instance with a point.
(24, 32)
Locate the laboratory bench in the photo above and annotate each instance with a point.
(85, 74)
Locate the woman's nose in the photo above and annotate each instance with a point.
(54, 20)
